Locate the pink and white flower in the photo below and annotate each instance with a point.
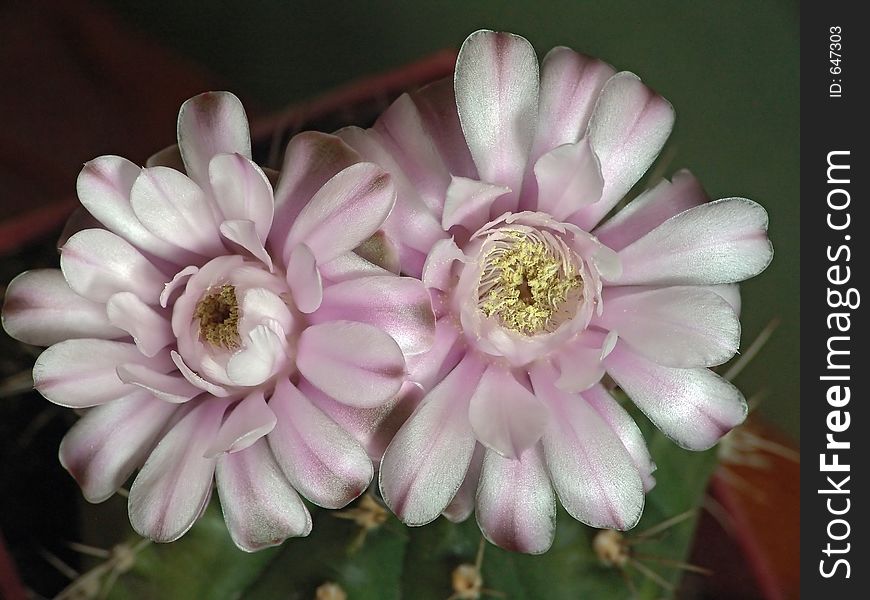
(505, 178)
(190, 322)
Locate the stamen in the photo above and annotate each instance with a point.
(218, 315)
(526, 283)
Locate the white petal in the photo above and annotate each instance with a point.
(693, 407)
(724, 241)
(41, 309)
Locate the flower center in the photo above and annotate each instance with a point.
(527, 283)
(218, 315)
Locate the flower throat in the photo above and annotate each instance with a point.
(526, 285)
(218, 315)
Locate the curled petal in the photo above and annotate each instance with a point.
(568, 178)
(247, 422)
(149, 329)
(243, 233)
(97, 264)
(259, 359)
(693, 407)
(344, 213)
(41, 309)
(504, 415)
(82, 373)
(242, 191)
(106, 445)
(320, 459)
(173, 488)
(580, 360)
(438, 269)
(628, 128)
(468, 203)
(304, 279)
(171, 388)
(426, 462)
(196, 379)
(355, 363)
(516, 506)
(260, 506)
(399, 306)
(210, 124)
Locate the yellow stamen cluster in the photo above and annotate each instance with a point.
(218, 315)
(524, 284)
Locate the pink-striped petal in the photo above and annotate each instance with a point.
(242, 191)
(172, 387)
(496, 83)
(684, 326)
(468, 203)
(320, 459)
(504, 415)
(210, 124)
(303, 278)
(104, 185)
(568, 178)
(628, 128)
(150, 330)
(175, 209)
(355, 363)
(652, 208)
(412, 222)
(626, 429)
(436, 103)
(516, 506)
(106, 445)
(41, 309)
(344, 213)
(594, 475)
(402, 129)
(173, 488)
(399, 306)
(311, 159)
(248, 421)
(81, 373)
(693, 407)
(97, 264)
(426, 462)
(724, 241)
(260, 506)
(570, 85)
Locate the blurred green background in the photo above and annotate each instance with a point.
(729, 68)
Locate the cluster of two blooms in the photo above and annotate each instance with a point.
(437, 293)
